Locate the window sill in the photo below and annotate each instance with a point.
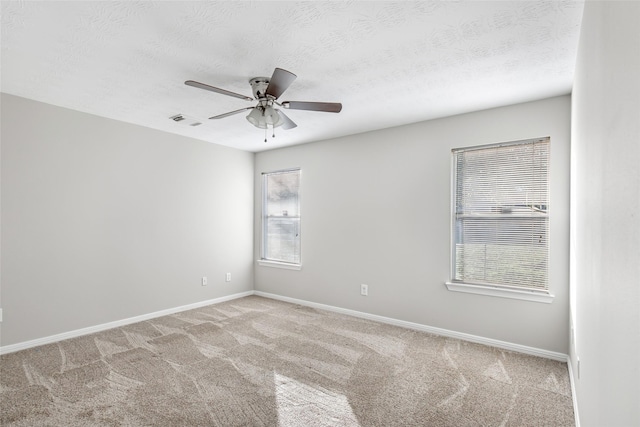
(494, 291)
(276, 264)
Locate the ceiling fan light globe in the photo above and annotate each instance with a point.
(256, 119)
(263, 118)
(272, 117)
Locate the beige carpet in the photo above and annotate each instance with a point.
(259, 362)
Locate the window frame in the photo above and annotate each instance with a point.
(489, 289)
(267, 262)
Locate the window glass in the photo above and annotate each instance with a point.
(281, 216)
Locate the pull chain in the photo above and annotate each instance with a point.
(273, 129)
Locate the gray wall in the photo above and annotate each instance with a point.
(605, 216)
(103, 220)
(376, 210)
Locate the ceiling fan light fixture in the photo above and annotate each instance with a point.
(267, 91)
(264, 117)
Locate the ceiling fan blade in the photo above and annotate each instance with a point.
(288, 123)
(231, 113)
(329, 107)
(217, 90)
(279, 82)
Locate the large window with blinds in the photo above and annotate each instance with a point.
(501, 215)
(281, 217)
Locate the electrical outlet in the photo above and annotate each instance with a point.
(228, 277)
(364, 290)
(204, 281)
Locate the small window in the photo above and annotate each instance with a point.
(281, 217)
(501, 215)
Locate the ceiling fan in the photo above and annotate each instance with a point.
(266, 91)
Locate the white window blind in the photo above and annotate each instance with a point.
(281, 216)
(501, 221)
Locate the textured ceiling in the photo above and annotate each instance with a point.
(388, 63)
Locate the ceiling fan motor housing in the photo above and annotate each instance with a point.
(259, 86)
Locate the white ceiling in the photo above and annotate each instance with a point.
(388, 63)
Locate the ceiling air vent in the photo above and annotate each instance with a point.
(185, 120)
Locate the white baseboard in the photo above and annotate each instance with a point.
(409, 325)
(561, 357)
(98, 328)
(572, 381)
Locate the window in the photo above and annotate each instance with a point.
(501, 218)
(281, 218)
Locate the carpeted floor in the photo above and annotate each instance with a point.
(259, 362)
